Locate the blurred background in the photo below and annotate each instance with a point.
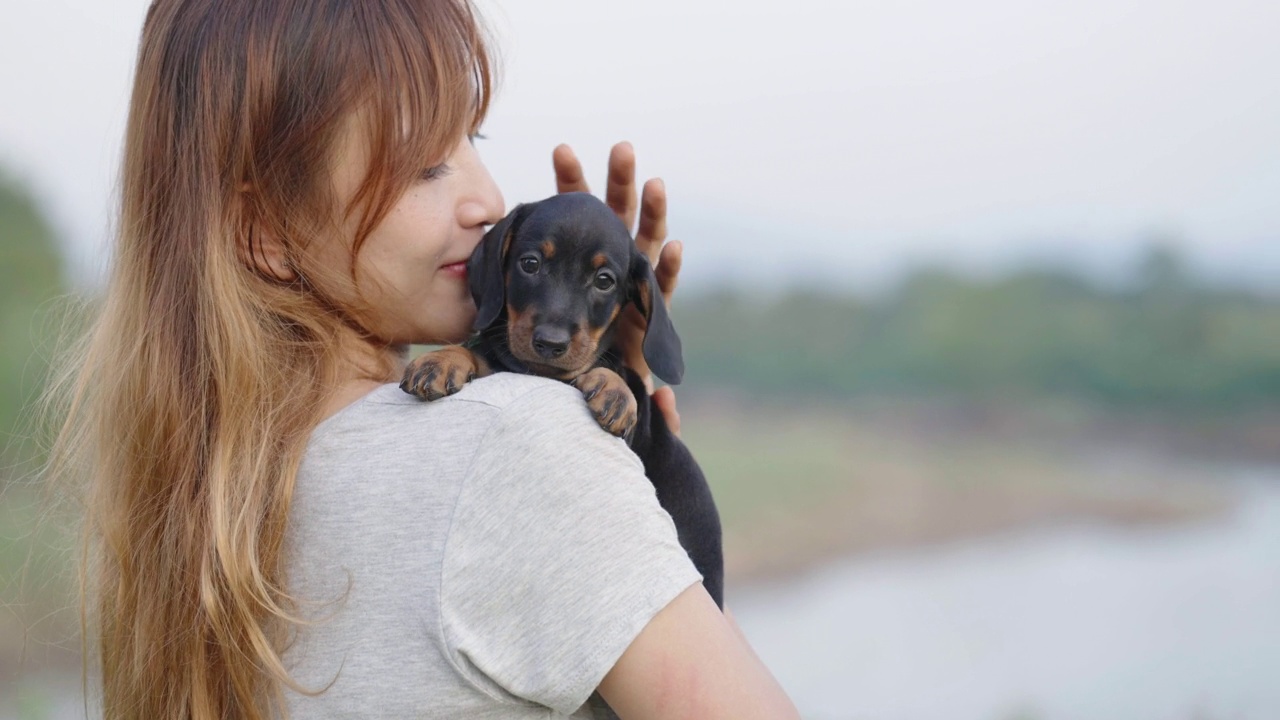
(980, 308)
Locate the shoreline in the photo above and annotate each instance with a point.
(769, 561)
(801, 487)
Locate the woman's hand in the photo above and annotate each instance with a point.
(620, 194)
(665, 399)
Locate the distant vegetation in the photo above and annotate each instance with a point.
(31, 275)
(36, 618)
(1167, 342)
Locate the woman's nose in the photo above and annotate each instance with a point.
(482, 202)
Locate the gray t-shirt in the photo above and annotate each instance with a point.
(489, 555)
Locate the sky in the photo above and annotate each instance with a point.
(814, 143)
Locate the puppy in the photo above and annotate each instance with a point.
(549, 282)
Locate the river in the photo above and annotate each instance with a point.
(1084, 621)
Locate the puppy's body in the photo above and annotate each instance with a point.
(682, 489)
(549, 282)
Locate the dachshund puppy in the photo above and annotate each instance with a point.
(549, 282)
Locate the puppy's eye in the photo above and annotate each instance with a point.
(529, 264)
(604, 281)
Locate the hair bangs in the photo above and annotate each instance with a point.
(430, 82)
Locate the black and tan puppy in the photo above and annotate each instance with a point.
(549, 282)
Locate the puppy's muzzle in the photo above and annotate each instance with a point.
(550, 341)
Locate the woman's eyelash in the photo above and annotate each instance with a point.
(435, 172)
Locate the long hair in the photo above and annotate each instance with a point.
(192, 398)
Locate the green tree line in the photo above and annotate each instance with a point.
(1164, 342)
(31, 277)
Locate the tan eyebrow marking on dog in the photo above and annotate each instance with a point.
(548, 249)
(599, 261)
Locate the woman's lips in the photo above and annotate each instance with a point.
(458, 269)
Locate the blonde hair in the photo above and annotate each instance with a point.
(191, 402)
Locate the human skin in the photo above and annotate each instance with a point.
(411, 285)
(691, 660)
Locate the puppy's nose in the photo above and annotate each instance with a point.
(550, 342)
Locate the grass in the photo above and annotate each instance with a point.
(38, 618)
(796, 486)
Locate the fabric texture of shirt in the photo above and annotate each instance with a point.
(488, 555)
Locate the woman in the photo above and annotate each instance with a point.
(274, 528)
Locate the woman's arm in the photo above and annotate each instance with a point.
(690, 661)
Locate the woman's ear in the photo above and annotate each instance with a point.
(661, 346)
(262, 251)
(259, 248)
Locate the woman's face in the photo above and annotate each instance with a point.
(411, 277)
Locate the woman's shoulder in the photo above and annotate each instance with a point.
(496, 431)
(504, 389)
(527, 409)
(482, 401)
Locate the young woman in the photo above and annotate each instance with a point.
(275, 529)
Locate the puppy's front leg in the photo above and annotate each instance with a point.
(442, 372)
(610, 400)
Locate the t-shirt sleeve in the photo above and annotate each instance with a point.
(558, 556)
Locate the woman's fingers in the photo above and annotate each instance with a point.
(665, 398)
(668, 269)
(620, 194)
(569, 176)
(653, 220)
(620, 191)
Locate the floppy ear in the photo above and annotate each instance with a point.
(485, 269)
(661, 344)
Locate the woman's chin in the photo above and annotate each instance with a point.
(443, 322)
(451, 333)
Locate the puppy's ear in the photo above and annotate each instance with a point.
(661, 343)
(486, 270)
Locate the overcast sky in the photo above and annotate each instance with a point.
(840, 141)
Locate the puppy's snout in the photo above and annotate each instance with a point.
(550, 342)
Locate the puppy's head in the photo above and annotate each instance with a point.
(563, 269)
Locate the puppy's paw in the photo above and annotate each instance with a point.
(610, 400)
(439, 373)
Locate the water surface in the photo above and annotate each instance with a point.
(1088, 621)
